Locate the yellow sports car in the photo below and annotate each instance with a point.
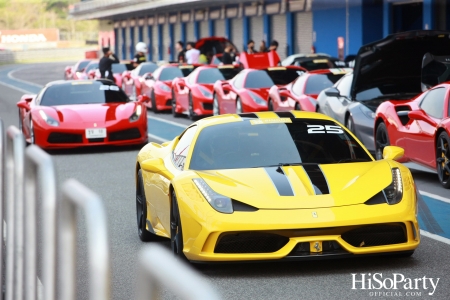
(268, 185)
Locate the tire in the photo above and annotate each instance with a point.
(141, 211)
(297, 106)
(153, 99)
(239, 109)
(270, 105)
(176, 232)
(174, 105)
(191, 114)
(443, 159)
(349, 124)
(134, 93)
(20, 122)
(32, 137)
(216, 108)
(123, 88)
(381, 140)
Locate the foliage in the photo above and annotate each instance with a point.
(33, 14)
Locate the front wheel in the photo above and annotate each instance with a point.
(32, 138)
(216, 108)
(141, 211)
(153, 100)
(191, 114)
(443, 159)
(381, 140)
(174, 106)
(176, 232)
(270, 105)
(297, 106)
(239, 109)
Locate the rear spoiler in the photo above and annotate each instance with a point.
(435, 70)
(259, 60)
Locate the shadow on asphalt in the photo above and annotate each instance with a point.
(94, 150)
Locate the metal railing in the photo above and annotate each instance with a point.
(28, 185)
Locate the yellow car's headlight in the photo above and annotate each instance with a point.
(219, 202)
(394, 192)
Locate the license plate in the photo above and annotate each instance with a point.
(92, 133)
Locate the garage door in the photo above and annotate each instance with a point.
(190, 32)
(166, 40)
(237, 33)
(303, 32)
(155, 43)
(177, 33)
(278, 33)
(256, 30)
(204, 29)
(220, 28)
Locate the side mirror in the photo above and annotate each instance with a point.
(143, 98)
(332, 92)
(27, 97)
(181, 84)
(148, 76)
(421, 116)
(226, 87)
(284, 94)
(23, 105)
(393, 152)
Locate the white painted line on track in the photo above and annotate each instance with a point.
(10, 76)
(14, 87)
(167, 121)
(434, 196)
(435, 237)
(155, 137)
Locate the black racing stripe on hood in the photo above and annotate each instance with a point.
(249, 115)
(280, 181)
(285, 114)
(317, 178)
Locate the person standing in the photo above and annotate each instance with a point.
(179, 46)
(251, 47)
(273, 45)
(105, 64)
(262, 46)
(140, 56)
(226, 56)
(192, 54)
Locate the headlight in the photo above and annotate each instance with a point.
(394, 192)
(258, 100)
(370, 114)
(49, 120)
(219, 202)
(165, 88)
(137, 113)
(205, 92)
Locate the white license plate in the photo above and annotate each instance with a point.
(92, 133)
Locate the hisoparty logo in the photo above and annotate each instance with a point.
(395, 285)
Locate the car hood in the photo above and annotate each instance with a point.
(397, 61)
(86, 113)
(348, 184)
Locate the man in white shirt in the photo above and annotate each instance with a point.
(192, 54)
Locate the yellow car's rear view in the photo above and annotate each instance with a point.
(265, 186)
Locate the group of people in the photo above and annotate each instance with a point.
(262, 46)
(191, 55)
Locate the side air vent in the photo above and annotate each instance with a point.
(402, 112)
(239, 206)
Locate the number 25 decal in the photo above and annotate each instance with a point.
(312, 129)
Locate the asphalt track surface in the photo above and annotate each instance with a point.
(109, 172)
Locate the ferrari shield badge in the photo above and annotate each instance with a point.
(315, 247)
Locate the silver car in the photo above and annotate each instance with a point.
(385, 70)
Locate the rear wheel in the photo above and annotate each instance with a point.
(174, 106)
(381, 140)
(141, 211)
(270, 105)
(216, 108)
(443, 159)
(191, 114)
(297, 106)
(153, 99)
(239, 109)
(176, 232)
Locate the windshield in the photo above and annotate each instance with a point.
(258, 79)
(229, 73)
(170, 73)
(187, 69)
(283, 76)
(82, 65)
(91, 66)
(319, 63)
(147, 68)
(319, 82)
(82, 92)
(118, 68)
(209, 76)
(260, 143)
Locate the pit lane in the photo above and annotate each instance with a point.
(109, 172)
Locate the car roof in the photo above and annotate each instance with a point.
(78, 82)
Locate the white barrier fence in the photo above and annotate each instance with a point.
(27, 185)
(7, 56)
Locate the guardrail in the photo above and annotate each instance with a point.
(28, 185)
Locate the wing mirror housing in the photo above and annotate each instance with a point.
(284, 94)
(393, 152)
(332, 92)
(27, 97)
(156, 165)
(181, 84)
(421, 116)
(143, 98)
(226, 87)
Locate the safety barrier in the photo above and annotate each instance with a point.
(28, 185)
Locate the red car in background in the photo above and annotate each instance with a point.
(70, 71)
(193, 94)
(68, 114)
(117, 70)
(158, 85)
(132, 80)
(88, 72)
(248, 91)
(301, 94)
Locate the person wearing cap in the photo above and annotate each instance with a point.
(273, 46)
(105, 64)
(139, 57)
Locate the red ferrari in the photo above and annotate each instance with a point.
(132, 80)
(70, 71)
(68, 114)
(193, 95)
(421, 126)
(302, 93)
(117, 70)
(248, 91)
(88, 72)
(158, 85)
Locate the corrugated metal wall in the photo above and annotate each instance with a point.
(303, 34)
(177, 33)
(256, 30)
(278, 33)
(166, 41)
(190, 32)
(237, 33)
(220, 27)
(204, 29)
(155, 42)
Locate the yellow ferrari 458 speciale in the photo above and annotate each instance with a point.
(268, 185)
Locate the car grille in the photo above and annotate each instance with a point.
(64, 138)
(169, 102)
(96, 140)
(250, 242)
(328, 247)
(207, 106)
(376, 235)
(128, 134)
